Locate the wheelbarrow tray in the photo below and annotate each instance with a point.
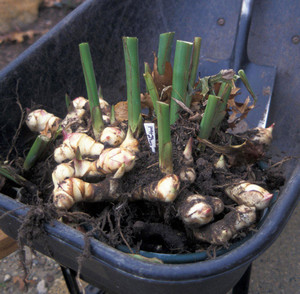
(51, 67)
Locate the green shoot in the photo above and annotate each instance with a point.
(91, 87)
(152, 90)
(78, 155)
(147, 69)
(207, 121)
(10, 173)
(180, 76)
(164, 138)
(100, 94)
(164, 51)
(57, 133)
(68, 101)
(194, 67)
(245, 81)
(37, 149)
(130, 46)
(112, 115)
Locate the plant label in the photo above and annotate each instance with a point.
(150, 131)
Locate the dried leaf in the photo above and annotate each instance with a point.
(196, 117)
(146, 101)
(20, 281)
(234, 91)
(246, 153)
(165, 95)
(162, 81)
(121, 111)
(46, 133)
(61, 3)
(239, 111)
(183, 106)
(20, 37)
(197, 97)
(51, 3)
(239, 127)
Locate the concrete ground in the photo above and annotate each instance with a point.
(277, 271)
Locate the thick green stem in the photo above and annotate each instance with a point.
(91, 87)
(207, 123)
(37, 149)
(164, 138)
(130, 46)
(180, 76)
(147, 67)
(194, 68)
(152, 90)
(245, 81)
(224, 94)
(164, 51)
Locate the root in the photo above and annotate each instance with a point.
(32, 227)
(281, 162)
(17, 133)
(211, 251)
(86, 253)
(122, 236)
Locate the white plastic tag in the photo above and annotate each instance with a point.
(150, 131)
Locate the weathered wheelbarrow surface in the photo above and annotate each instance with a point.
(51, 67)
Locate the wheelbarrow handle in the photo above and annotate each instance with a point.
(239, 53)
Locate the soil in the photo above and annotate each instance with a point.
(147, 225)
(153, 226)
